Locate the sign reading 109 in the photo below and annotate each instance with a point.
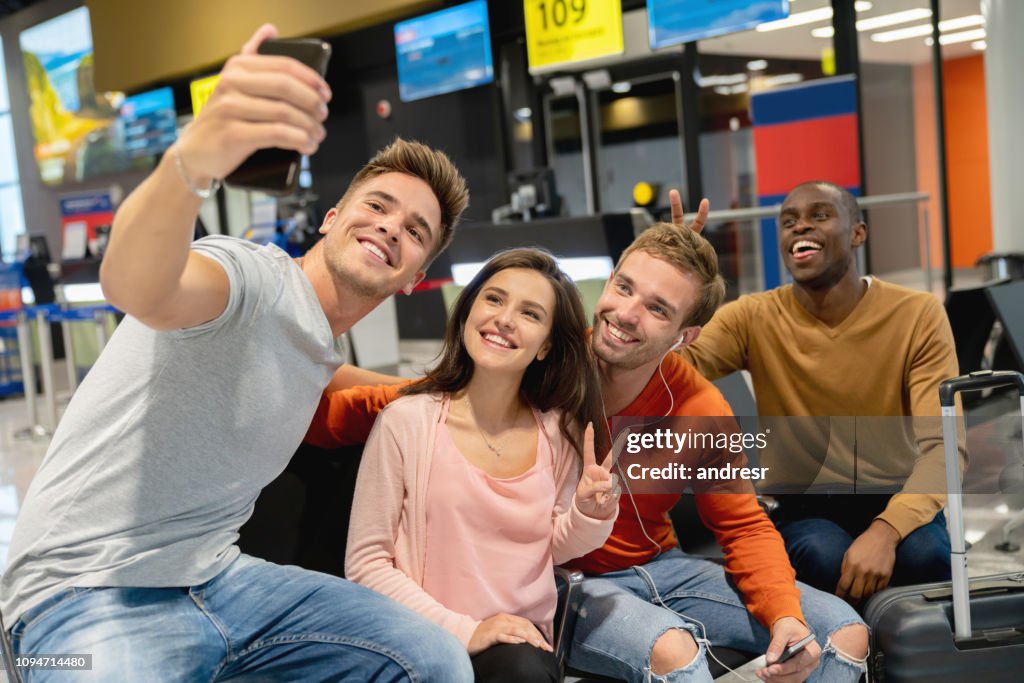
(563, 31)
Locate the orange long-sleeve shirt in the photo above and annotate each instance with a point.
(345, 418)
(755, 557)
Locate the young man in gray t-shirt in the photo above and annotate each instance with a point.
(125, 546)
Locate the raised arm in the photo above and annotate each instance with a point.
(723, 344)
(148, 270)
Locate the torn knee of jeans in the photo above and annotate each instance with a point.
(696, 661)
(830, 648)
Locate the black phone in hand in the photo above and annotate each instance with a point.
(273, 170)
(792, 650)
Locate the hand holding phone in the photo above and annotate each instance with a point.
(260, 102)
(275, 170)
(794, 649)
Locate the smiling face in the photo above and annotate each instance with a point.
(818, 236)
(379, 240)
(641, 312)
(509, 323)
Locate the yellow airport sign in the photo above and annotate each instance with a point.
(201, 89)
(563, 31)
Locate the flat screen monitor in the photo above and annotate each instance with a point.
(81, 133)
(671, 22)
(148, 122)
(444, 51)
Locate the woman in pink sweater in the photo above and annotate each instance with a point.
(481, 478)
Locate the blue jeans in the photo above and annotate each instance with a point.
(816, 547)
(254, 621)
(623, 613)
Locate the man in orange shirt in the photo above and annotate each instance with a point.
(648, 608)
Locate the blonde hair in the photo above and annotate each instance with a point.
(432, 167)
(690, 253)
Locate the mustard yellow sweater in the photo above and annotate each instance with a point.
(885, 359)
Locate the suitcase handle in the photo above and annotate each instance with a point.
(1007, 585)
(982, 379)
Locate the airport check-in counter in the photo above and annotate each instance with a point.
(601, 236)
(597, 239)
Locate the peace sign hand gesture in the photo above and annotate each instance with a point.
(597, 494)
(676, 202)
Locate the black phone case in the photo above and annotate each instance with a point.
(788, 653)
(273, 170)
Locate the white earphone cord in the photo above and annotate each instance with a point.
(657, 547)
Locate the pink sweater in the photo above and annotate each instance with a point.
(387, 532)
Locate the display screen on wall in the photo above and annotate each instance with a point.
(671, 22)
(444, 51)
(81, 133)
(148, 122)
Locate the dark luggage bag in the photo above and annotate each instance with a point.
(927, 632)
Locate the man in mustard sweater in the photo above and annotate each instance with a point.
(837, 344)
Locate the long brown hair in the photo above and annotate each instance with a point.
(566, 379)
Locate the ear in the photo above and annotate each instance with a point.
(329, 219)
(407, 289)
(544, 349)
(687, 336)
(858, 234)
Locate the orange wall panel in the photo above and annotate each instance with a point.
(970, 204)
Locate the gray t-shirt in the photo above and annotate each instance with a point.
(172, 435)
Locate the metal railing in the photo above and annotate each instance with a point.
(877, 201)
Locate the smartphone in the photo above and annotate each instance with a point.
(272, 170)
(795, 648)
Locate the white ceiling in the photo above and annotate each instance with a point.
(797, 41)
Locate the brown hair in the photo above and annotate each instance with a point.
(566, 379)
(429, 165)
(690, 253)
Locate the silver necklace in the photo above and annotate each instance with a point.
(472, 414)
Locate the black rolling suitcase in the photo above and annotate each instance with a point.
(927, 632)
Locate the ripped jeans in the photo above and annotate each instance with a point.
(620, 619)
